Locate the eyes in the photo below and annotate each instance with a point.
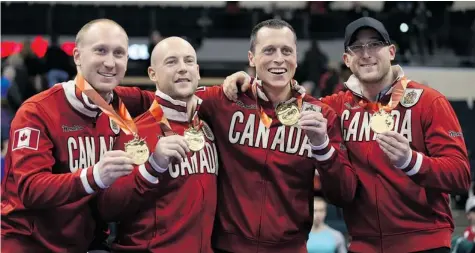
(102, 50)
(174, 60)
(270, 50)
(371, 46)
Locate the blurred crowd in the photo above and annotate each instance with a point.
(24, 75)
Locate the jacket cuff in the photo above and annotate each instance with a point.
(151, 171)
(413, 165)
(323, 152)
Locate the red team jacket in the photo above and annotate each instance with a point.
(179, 215)
(56, 138)
(265, 183)
(402, 210)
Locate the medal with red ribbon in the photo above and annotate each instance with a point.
(382, 121)
(288, 113)
(136, 148)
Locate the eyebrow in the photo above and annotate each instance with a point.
(174, 57)
(108, 46)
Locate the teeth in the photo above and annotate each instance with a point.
(277, 71)
(108, 75)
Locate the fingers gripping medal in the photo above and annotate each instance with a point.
(381, 122)
(194, 136)
(136, 148)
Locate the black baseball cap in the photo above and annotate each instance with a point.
(365, 22)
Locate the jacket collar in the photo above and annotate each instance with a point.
(173, 109)
(79, 101)
(354, 85)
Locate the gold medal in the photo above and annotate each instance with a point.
(381, 121)
(195, 139)
(138, 150)
(288, 114)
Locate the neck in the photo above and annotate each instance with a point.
(105, 95)
(371, 90)
(277, 95)
(318, 227)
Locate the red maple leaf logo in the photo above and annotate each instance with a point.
(23, 137)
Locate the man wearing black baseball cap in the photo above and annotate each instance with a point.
(365, 22)
(405, 144)
(405, 174)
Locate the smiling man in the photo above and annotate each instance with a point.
(179, 215)
(60, 155)
(270, 143)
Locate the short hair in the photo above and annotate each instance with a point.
(270, 23)
(86, 27)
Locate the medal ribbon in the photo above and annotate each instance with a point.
(122, 118)
(157, 112)
(396, 96)
(266, 120)
(196, 123)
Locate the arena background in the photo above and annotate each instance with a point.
(435, 41)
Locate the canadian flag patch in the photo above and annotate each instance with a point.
(26, 138)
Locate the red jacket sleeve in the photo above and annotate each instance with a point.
(338, 179)
(136, 100)
(335, 101)
(210, 95)
(125, 196)
(32, 163)
(446, 168)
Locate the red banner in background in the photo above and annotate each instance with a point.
(39, 45)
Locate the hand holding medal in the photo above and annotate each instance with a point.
(173, 146)
(315, 126)
(169, 148)
(393, 144)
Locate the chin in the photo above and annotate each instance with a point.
(105, 87)
(277, 83)
(184, 94)
(369, 77)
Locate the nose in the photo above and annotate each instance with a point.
(109, 61)
(182, 67)
(365, 53)
(279, 58)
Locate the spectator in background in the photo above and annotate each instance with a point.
(322, 238)
(155, 37)
(314, 64)
(58, 64)
(8, 75)
(20, 87)
(333, 80)
(33, 64)
(465, 243)
(317, 7)
(469, 233)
